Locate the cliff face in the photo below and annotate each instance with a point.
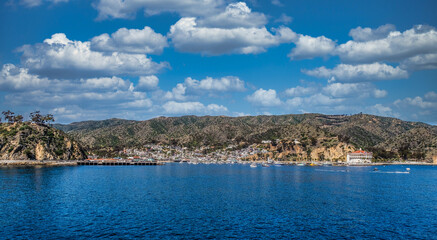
(322, 149)
(28, 141)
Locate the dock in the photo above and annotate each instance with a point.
(118, 163)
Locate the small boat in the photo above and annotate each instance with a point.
(253, 165)
(375, 169)
(300, 164)
(265, 165)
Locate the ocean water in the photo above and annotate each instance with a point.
(181, 201)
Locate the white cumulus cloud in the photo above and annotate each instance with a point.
(308, 47)
(13, 78)
(104, 95)
(177, 93)
(106, 83)
(360, 34)
(173, 107)
(396, 46)
(60, 57)
(353, 90)
(362, 72)
(148, 82)
(264, 98)
(381, 110)
(300, 91)
(187, 36)
(126, 40)
(420, 62)
(235, 15)
(224, 84)
(423, 108)
(431, 96)
(315, 100)
(213, 86)
(415, 102)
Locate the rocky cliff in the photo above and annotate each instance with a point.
(319, 150)
(29, 141)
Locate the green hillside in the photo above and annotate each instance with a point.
(383, 135)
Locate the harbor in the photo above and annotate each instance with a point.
(128, 202)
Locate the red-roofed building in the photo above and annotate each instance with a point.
(359, 157)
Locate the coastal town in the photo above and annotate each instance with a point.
(263, 153)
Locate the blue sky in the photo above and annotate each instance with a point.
(139, 59)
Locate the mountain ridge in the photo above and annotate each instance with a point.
(383, 135)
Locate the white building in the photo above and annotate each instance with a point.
(359, 157)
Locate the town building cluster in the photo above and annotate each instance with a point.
(201, 154)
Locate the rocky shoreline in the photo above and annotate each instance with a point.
(25, 163)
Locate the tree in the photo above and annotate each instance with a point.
(48, 118)
(9, 116)
(36, 117)
(18, 118)
(404, 151)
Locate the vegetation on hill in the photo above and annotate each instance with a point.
(386, 137)
(34, 140)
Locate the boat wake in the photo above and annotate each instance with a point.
(320, 170)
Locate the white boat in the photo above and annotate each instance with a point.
(253, 165)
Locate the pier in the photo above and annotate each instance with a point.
(117, 163)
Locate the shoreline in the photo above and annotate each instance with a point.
(24, 163)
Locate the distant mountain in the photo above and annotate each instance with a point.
(386, 137)
(91, 125)
(29, 141)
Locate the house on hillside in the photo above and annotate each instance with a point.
(359, 157)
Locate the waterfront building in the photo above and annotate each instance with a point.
(359, 157)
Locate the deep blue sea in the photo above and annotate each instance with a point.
(181, 201)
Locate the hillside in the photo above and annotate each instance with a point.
(91, 125)
(385, 136)
(29, 141)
